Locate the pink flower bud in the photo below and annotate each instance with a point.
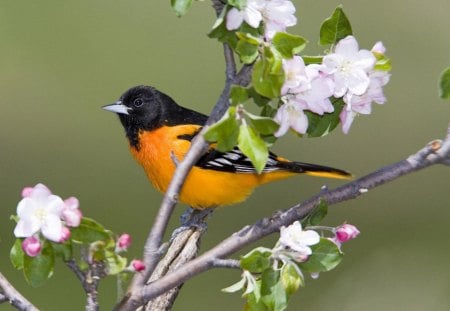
(137, 265)
(346, 232)
(31, 246)
(123, 242)
(26, 192)
(65, 235)
(379, 48)
(71, 214)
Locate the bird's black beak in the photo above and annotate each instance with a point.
(117, 107)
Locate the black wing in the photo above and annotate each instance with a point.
(234, 161)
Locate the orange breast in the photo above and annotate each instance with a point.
(203, 188)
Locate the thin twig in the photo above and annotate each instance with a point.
(10, 294)
(89, 281)
(433, 153)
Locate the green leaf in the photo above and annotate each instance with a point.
(221, 33)
(273, 294)
(253, 146)
(268, 75)
(39, 269)
(444, 84)
(89, 231)
(312, 59)
(248, 52)
(317, 215)
(225, 132)
(287, 44)
(181, 6)
(238, 95)
(254, 304)
(321, 125)
(264, 125)
(325, 257)
(16, 255)
(257, 260)
(239, 4)
(115, 263)
(290, 279)
(64, 250)
(383, 63)
(259, 100)
(269, 279)
(235, 287)
(335, 27)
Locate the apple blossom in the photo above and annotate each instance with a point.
(40, 211)
(349, 66)
(317, 98)
(277, 15)
(298, 240)
(251, 14)
(31, 246)
(290, 115)
(362, 104)
(295, 75)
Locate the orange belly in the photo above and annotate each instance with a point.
(203, 188)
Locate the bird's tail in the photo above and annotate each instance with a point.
(314, 170)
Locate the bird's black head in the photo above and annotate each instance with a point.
(140, 107)
(146, 108)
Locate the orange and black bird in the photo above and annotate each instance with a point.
(158, 129)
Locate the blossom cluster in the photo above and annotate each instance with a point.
(42, 216)
(42, 213)
(348, 73)
(276, 16)
(297, 242)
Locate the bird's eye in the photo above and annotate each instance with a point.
(138, 102)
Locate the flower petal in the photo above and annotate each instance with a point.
(52, 228)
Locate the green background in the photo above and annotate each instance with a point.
(61, 60)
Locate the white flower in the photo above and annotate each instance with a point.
(290, 115)
(349, 66)
(40, 210)
(298, 240)
(277, 15)
(362, 104)
(317, 98)
(307, 88)
(295, 76)
(251, 14)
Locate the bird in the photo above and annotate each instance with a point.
(159, 133)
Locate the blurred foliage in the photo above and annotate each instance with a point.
(61, 61)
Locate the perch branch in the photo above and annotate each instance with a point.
(435, 152)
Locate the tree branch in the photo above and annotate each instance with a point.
(10, 294)
(435, 152)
